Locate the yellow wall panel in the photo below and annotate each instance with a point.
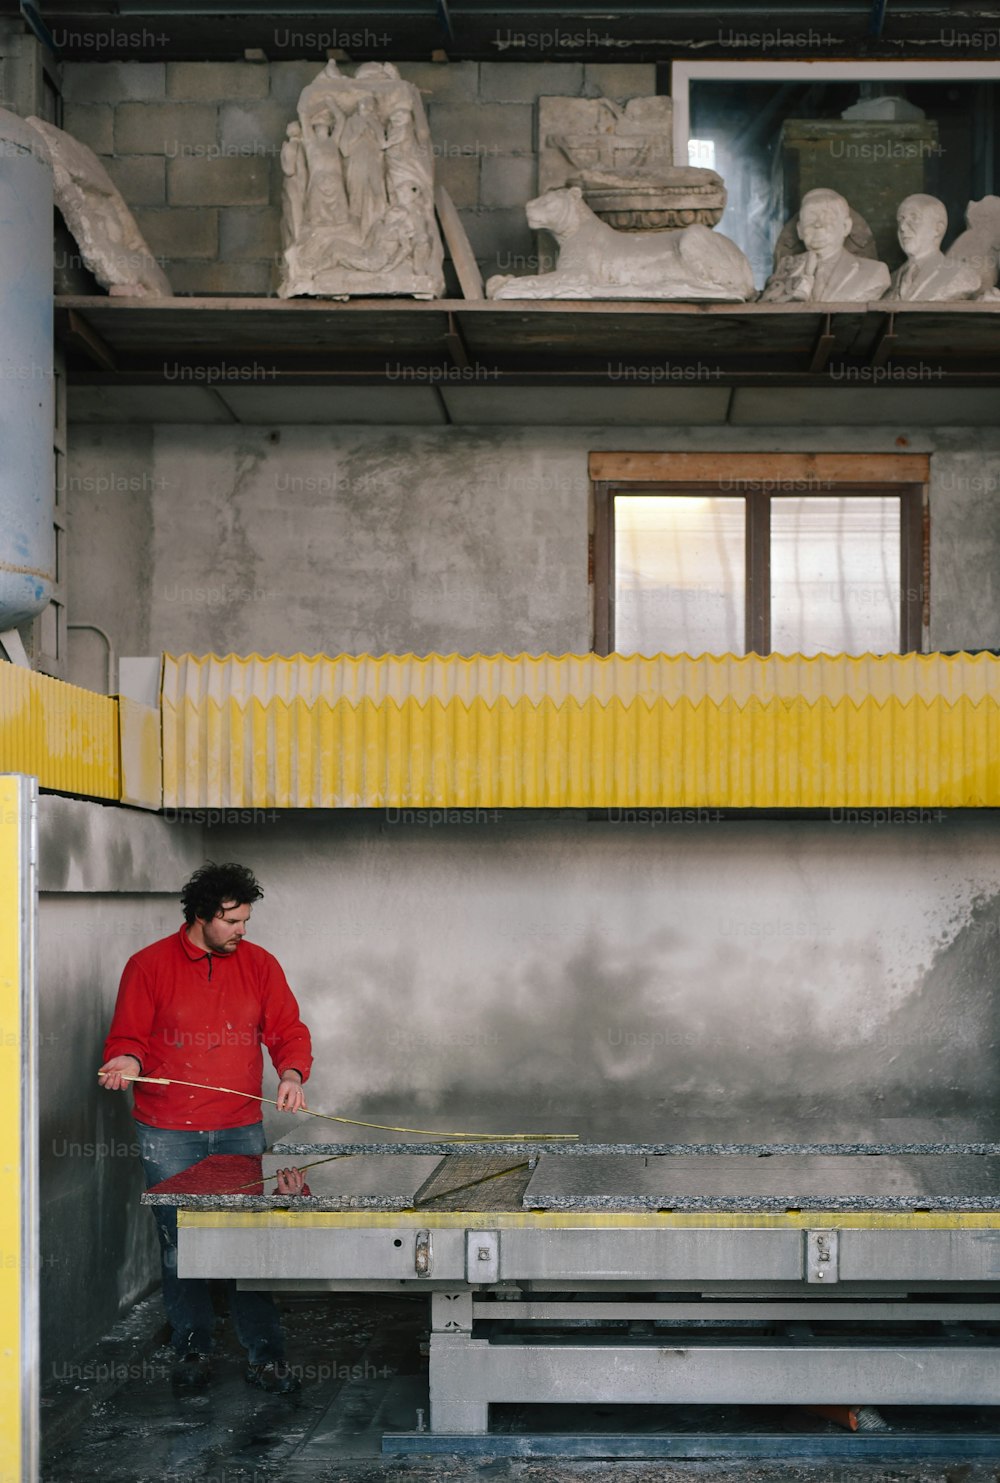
(140, 761)
(66, 737)
(579, 730)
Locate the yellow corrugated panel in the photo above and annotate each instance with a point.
(579, 730)
(139, 754)
(64, 736)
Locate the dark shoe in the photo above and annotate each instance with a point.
(274, 1376)
(192, 1371)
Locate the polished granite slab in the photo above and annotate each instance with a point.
(640, 1130)
(481, 1181)
(333, 1182)
(776, 1182)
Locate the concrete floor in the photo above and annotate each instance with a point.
(363, 1373)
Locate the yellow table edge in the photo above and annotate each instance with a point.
(601, 1220)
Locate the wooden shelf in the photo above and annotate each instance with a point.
(393, 342)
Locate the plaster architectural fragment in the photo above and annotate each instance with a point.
(621, 157)
(110, 243)
(598, 262)
(357, 213)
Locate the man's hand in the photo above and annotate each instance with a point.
(290, 1182)
(291, 1097)
(115, 1074)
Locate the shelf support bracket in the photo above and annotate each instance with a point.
(80, 333)
(456, 345)
(884, 343)
(823, 347)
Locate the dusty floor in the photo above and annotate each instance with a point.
(363, 1374)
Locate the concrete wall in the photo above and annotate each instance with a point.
(109, 882)
(194, 148)
(664, 979)
(354, 539)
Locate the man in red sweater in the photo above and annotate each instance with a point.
(197, 1006)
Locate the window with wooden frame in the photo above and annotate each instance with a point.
(759, 554)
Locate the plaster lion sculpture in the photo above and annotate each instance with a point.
(598, 262)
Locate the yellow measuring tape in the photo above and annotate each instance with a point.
(355, 1122)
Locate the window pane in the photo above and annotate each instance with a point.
(680, 574)
(835, 575)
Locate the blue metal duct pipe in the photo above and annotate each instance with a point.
(27, 472)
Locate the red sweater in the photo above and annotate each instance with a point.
(202, 1017)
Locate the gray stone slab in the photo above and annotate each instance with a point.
(227, 1182)
(748, 1182)
(300, 1143)
(630, 1135)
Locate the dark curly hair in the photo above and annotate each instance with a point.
(213, 884)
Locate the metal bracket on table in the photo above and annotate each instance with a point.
(482, 1256)
(451, 1312)
(423, 1254)
(823, 1257)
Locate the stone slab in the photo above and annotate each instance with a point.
(338, 1182)
(772, 1182)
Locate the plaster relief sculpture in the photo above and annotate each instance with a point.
(621, 157)
(597, 262)
(110, 243)
(828, 271)
(357, 213)
(927, 274)
(294, 184)
(979, 246)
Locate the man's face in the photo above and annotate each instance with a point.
(920, 228)
(823, 224)
(224, 933)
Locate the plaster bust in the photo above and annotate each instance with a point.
(927, 274)
(826, 272)
(979, 245)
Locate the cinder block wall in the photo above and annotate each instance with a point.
(194, 148)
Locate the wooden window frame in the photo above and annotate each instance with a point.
(758, 478)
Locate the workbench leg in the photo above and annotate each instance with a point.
(453, 1410)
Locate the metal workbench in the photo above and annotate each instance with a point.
(592, 1274)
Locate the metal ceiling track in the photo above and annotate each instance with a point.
(477, 30)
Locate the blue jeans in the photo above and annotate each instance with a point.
(188, 1300)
